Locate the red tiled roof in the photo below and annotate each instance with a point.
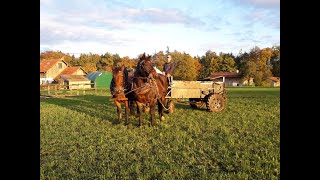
(74, 77)
(276, 79)
(225, 74)
(46, 64)
(68, 71)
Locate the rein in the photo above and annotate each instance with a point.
(153, 80)
(147, 84)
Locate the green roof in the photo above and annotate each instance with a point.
(101, 79)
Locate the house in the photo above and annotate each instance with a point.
(230, 78)
(51, 70)
(274, 81)
(77, 70)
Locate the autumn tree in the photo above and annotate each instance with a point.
(105, 63)
(56, 55)
(116, 59)
(72, 61)
(186, 67)
(159, 59)
(255, 64)
(126, 61)
(83, 58)
(275, 61)
(89, 67)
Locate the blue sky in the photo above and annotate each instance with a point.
(131, 27)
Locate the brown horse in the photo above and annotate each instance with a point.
(149, 87)
(120, 89)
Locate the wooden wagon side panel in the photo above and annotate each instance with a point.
(185, 93)
(189, 89)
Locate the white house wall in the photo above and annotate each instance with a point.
(44, 81)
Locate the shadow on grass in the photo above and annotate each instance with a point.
(101, 107)
(179, 105)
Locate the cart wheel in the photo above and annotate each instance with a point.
(215, 103)
(170, 106)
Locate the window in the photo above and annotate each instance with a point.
(59, 65)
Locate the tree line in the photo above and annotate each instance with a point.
(258, 64)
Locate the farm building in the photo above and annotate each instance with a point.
(101, 79)
(230, 78)
(274, 81)
(52, 69)
(76, 81)
(77, 70)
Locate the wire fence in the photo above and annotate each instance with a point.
(72, 89)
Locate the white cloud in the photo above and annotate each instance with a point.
(45, 2)
(121, 27)
(265, 2)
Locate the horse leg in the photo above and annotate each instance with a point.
(160, 109)
(127, 112)
(118, 104)
(140, 106)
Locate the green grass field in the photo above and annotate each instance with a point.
(80, 139)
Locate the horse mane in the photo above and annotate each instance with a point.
(127, 83)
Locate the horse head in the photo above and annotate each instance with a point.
(119, 77)
(145, 67)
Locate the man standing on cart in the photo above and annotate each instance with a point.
(168, 69)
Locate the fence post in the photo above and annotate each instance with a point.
(48, 89)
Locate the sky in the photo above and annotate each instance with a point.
(132, 27)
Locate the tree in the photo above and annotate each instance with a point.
(255, 65)
(186, 67)
(167, 51)
(116, 58)
(159, 59)
(208, 64)
(89, 67)
(54, 55)
(226, 63)
(106, 62)
(126, 61)
(275, 61)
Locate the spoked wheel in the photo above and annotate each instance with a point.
(170, 106)
(215, 103)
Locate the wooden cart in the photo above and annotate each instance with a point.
(197, 93)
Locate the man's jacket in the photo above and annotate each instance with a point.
(168, 67)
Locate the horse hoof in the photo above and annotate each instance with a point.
(162, 118)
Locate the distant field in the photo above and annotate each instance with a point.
(81, 140)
